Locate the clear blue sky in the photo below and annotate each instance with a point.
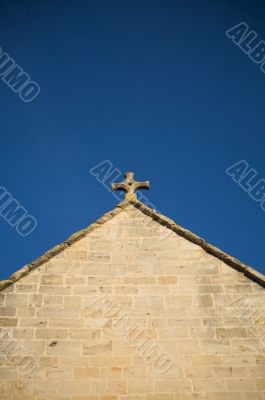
(155, 87)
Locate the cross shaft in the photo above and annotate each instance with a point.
(130, 186)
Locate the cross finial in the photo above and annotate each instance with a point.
(129, 185)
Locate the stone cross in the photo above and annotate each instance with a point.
(129, 185)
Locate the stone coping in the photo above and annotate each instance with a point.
(161, 219)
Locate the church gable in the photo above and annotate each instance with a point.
(163, 228)
(133, 308)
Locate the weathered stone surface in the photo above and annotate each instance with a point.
(166, 293)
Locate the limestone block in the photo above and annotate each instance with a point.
(84, 334)
(8, 322)
(140, 386)
(172, 385)
(66, 323)
(178, 301)
(210, 346)
(14, 300)
(97, 346)
(209, 385)
(48, 361)
(7, 311)
(70, 387)
(167, 280)
(198, 372)
(75, 280)
(111, 372)
(86, 373)
(55, 289)
(74, 302)
(23, 333)
(206, 360)
(58, 373)
(203, 289)
(117, 386)
(102, 361)
(51, 280)
(135, 373)
(64, 347)
(189, 346)
(51, 333)
(25, 288)
(204, 300)
(240, 384)
(53, 301)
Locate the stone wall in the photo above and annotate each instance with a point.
(125, 315)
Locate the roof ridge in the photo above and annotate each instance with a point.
(249, 272)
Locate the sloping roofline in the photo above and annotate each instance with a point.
(161, 219)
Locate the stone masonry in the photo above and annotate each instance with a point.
(206, 316)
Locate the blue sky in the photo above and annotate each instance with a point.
(154, 87)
